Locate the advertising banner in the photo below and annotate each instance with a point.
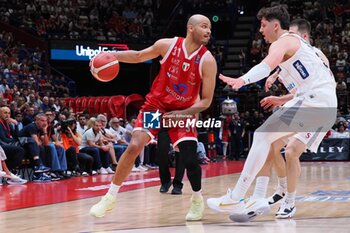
(330, 149)
(82, 50)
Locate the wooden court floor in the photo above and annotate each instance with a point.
(323, 206)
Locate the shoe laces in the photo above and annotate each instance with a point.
(228, 194)
(196, 205)
(285, 205)
(108, 198)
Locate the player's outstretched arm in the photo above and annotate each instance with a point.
(276, 54)
(159, 48)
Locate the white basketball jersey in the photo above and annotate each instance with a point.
(305, 71)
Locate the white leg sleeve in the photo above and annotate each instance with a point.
(224, 148)
(142, 155)
(255, 161)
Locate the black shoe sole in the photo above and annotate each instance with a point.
(176, 192)
(165, 188)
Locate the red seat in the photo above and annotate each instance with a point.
(66, 101)
(91, 104)
(97, 104)
(70, 102)
(116, 106)
(81, 104)
(103, 106)
(133, 104)
(85, 104)
(78, 103)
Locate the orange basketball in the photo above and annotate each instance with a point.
(104, 67)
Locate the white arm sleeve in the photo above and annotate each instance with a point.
(257, 73)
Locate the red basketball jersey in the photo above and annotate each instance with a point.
(225, 128)
(178, 83)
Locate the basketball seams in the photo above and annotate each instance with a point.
(96, 70)
(105, 72)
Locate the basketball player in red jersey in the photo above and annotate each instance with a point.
(186, 66)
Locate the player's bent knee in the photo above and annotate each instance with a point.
(292, 152)
(270, 159)
(134, 149)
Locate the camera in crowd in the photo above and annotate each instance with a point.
(64, 125)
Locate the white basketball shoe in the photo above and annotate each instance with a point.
(286, 210)
(252, 209)
(106, 203)
(226, 204)
(197, 208)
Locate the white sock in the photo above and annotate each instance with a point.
(263, 137)
(113, 189)
(261, 187)
(255, 161)
(197, 194)
(282, 182)
(290, 197)
(242, 186)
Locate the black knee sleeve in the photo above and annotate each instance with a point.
(188, 151)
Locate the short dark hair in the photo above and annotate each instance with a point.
(276, 12)
(18, 114)
(303, 25)
(48, 110)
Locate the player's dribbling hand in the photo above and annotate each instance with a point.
(235, 83)
(270, 102)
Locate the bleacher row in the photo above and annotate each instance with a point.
(114, 106)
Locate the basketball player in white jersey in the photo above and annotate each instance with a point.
(253, 208)
(311, 111)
